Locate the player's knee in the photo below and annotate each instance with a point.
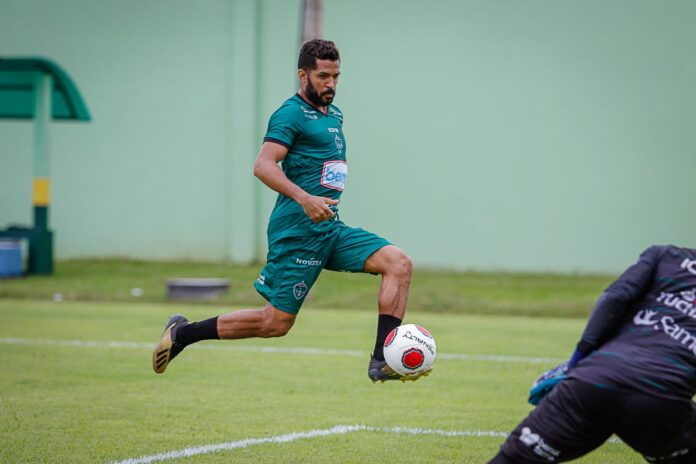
(276, 323)
(391, 261)
(403, 266)
(279, 329)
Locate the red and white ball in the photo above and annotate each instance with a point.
(410, 349)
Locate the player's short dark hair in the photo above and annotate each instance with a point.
(314, 50)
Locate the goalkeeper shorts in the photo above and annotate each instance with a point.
(577, 417)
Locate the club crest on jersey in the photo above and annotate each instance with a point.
(334, 174)
(339, 144)
(299, 290)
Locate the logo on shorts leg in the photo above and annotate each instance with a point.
(299, 290)
(541, 448)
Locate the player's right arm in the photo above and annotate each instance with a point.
(266, 168)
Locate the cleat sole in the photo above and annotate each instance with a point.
(160, 355)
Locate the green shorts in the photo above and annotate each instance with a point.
(294, 263)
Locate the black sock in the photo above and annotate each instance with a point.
(197, 331)
(385, 324)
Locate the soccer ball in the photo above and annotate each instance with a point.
(409, 349)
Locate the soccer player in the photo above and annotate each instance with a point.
(305, 234)
(633, 373)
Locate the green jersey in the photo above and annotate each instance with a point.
(316, 161)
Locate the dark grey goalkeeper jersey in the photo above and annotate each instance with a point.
(652, 346)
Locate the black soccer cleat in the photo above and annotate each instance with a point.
(379, 371)
(167, 348)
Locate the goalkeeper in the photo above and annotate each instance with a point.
(633, 373)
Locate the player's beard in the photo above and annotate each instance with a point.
(315, 98)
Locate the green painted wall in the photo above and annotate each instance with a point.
(520, 134)
(516, 135)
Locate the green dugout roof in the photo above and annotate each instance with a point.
(18, 81)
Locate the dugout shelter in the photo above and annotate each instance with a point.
(39, 90)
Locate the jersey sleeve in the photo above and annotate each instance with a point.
(638, 278)
(618, 298)
(284, 126)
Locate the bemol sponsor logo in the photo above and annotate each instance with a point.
(668, 326)
(689, 265)
(334, 174)
(684, 302)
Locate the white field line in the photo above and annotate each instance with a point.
(232, 346)
(336, 430)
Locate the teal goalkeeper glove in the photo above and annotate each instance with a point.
(546, 382)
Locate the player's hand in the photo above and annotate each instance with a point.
(317, 208)
(546, 382)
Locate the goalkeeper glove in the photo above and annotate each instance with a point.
(546, 381)
(549, 379)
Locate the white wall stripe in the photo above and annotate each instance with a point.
(233, 346)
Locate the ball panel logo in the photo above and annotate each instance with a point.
(424, 331)
(334, 175)
(412, 358)
(390, 338)
(422, 341)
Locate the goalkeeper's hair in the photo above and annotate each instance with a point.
(314, 50)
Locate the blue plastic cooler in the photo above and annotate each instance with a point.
(10, 258)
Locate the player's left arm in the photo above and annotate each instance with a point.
(267, 170)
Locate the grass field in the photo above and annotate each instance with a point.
(77, 386)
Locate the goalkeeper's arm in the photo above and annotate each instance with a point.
(616, 301)
(608, 312)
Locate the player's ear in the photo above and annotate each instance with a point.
(302, 76)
